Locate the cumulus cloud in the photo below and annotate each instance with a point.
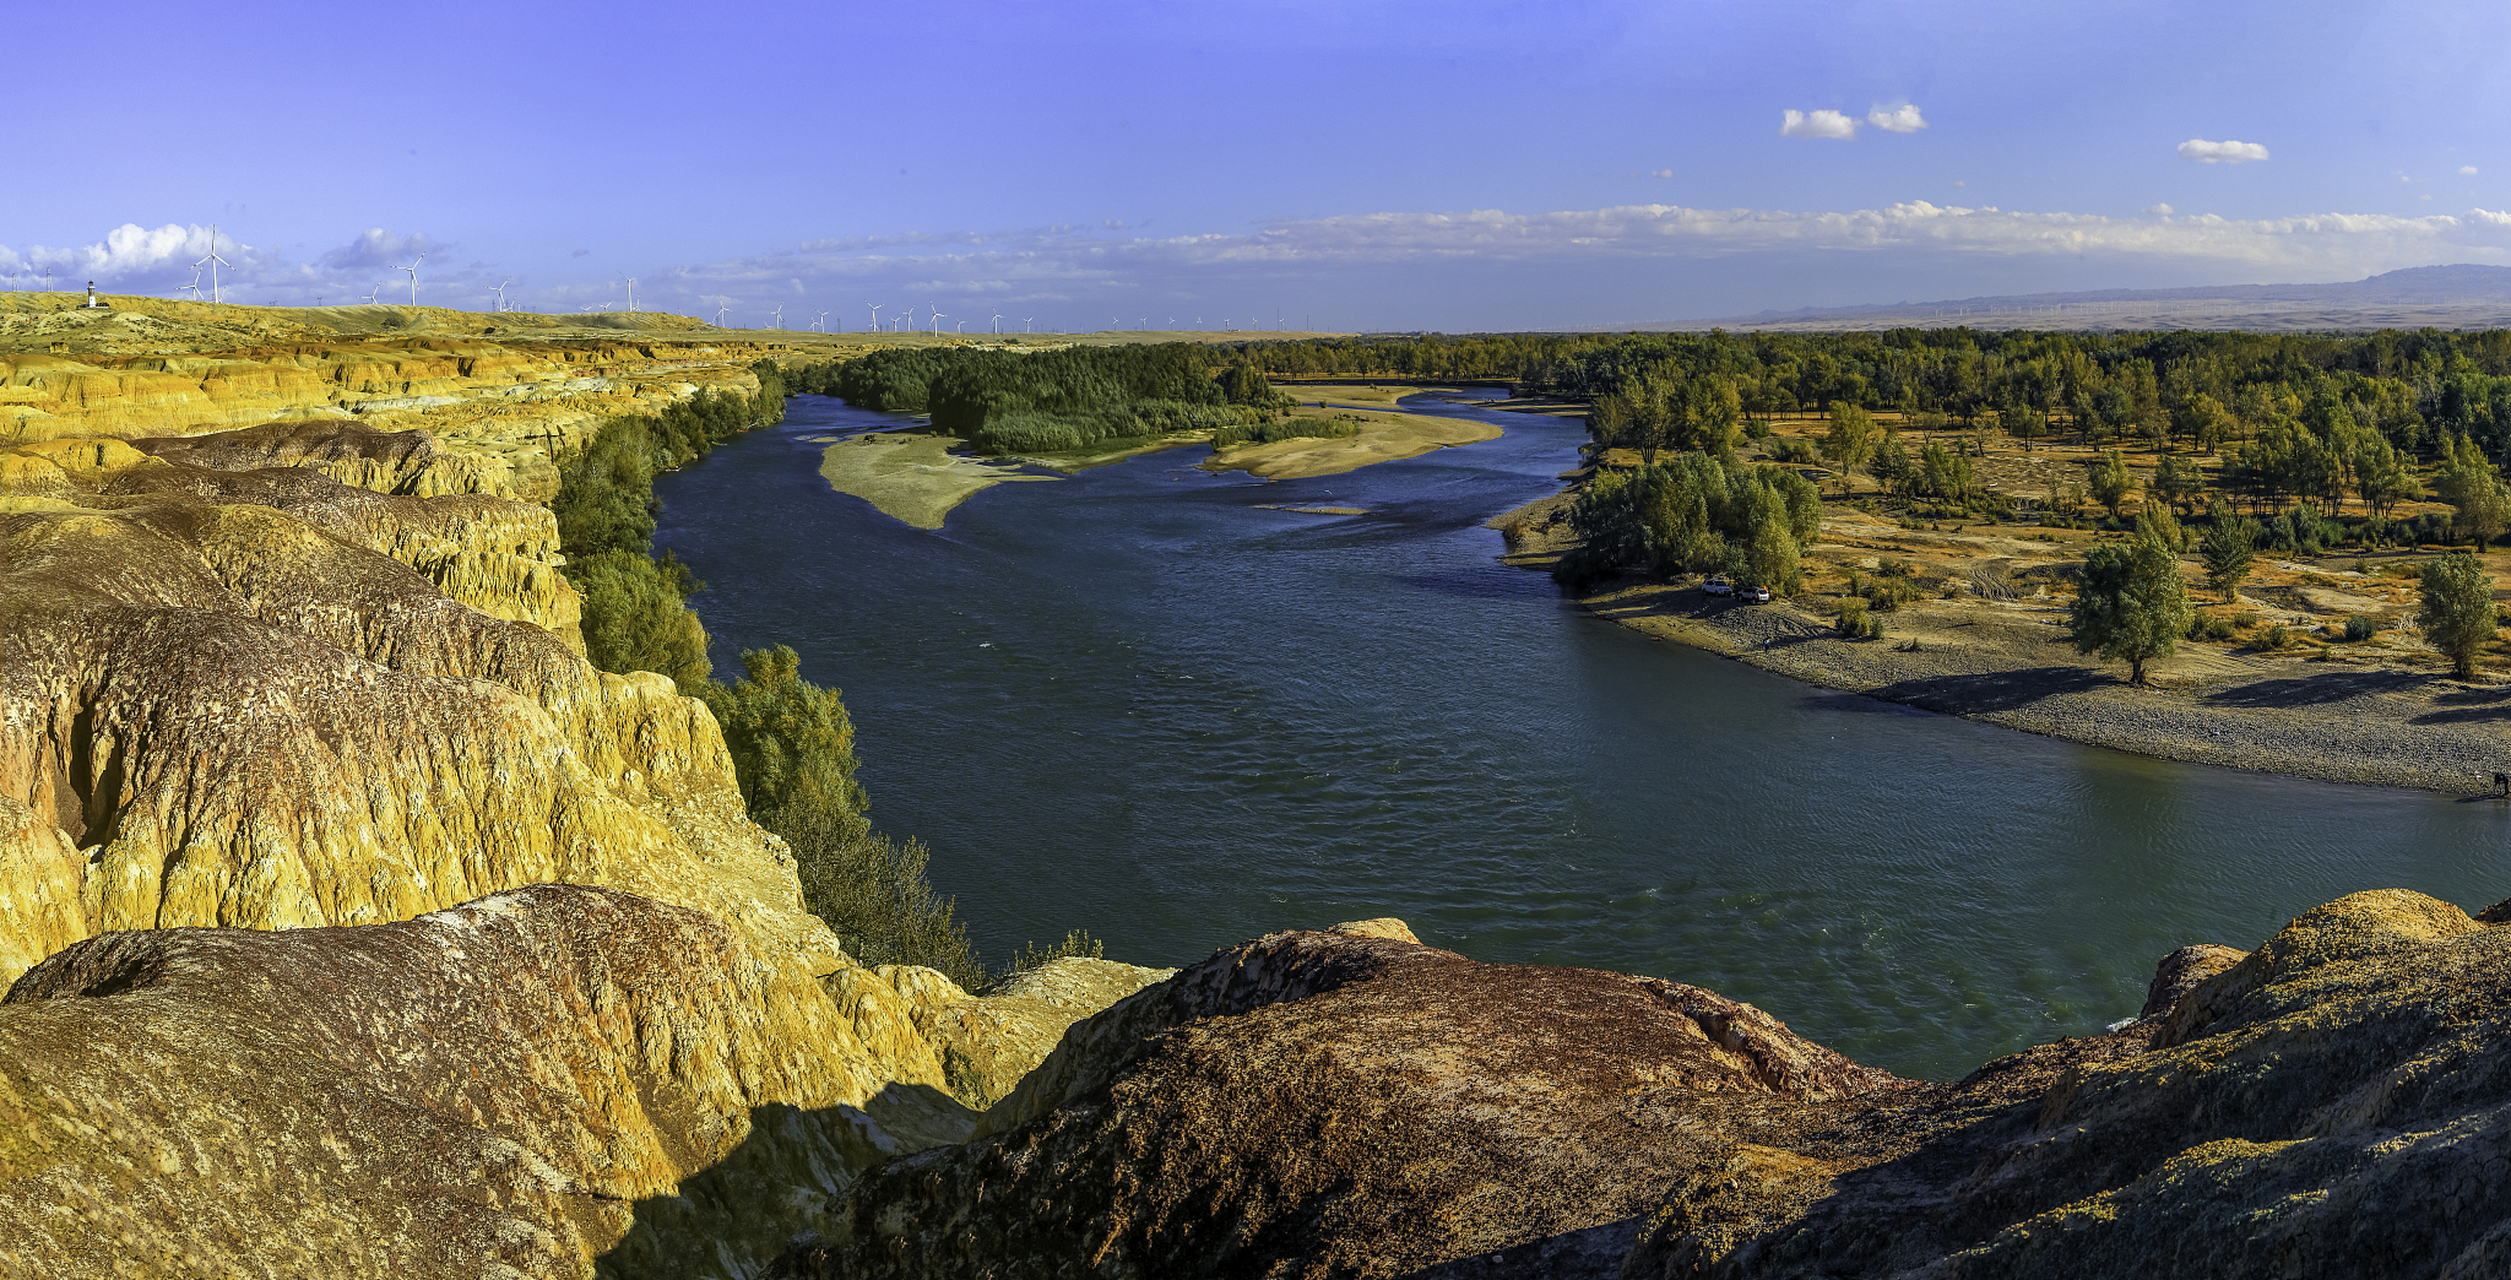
(2159, 210)
(2467, 170)
(135, 259)
(1817, 124)
(1901, 119)
(2227, 152)
(377, 249)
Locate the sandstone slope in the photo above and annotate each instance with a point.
(512, 1087)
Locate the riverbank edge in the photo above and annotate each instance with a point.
(2393, 728)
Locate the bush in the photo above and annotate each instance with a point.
(1757, 428)
(1795, 449)
(2359, 628)
(637, 617)
(2210, 627)
(792, 742)
(2245, 619)
(873, 894)
(1076, 945)
(1857, 622)
(2277, 638)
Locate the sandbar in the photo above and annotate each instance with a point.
(911, 475)
(1384, 437)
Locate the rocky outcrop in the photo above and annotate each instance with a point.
(1344, 1104)
(2337, 1102)
(517, 1086)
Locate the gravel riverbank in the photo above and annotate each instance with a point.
(2385, 717)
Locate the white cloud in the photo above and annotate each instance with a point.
(2467, 170)
(1066, 265)
(379, 249)
(1900, 119)
(1817, 124)
(2159, 210)
(1660, 173)
(136, 259)
(2204, 152)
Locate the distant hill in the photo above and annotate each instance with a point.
(2462, 295)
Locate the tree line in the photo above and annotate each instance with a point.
(1011, 401)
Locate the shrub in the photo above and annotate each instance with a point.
(1857, 622)
(2245, 619)
(637, 617)
(2277, 638)
(1076, 945)
(2210, 627)
(792, 742)
(872, 891)
(2359, 628)
(1757, 428)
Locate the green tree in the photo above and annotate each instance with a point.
(637, 618)
(2023, 422)
(792, 743)
(2229, 547)
(2203, 419)
(2112, 482)
(1772, 555)
(2458, 610)
(2178, 482)
(1850, 441)
(2469, 482)
(2133, 606)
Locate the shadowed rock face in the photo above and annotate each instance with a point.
(511, 1083)
(1326, 1104)
(2337, 1102)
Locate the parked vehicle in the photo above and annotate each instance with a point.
(1717, 586)
(1753, 595)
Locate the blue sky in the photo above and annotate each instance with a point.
(1451, 166)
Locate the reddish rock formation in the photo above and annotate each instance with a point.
(1344, 1104)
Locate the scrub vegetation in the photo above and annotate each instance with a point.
(792, 742)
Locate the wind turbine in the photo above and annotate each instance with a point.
(412, 269)
(631, 293)
(370, 294)
(1025, 322)
(876, 314)
(998, 322)
(963, 326)
(821, 324)
(195, 286)
(719, 314)
(213, 260)
(501, 292)
(937, 319)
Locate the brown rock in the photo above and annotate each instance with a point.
(2183, 971)
(1323, 1104)
(1381, 927)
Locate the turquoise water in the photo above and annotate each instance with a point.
(1135, 703)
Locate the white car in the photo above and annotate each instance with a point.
(1717, 586)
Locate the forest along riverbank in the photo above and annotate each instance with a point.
(2378, 713)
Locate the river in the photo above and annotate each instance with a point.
(1135, 702)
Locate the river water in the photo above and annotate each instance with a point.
(1136, 703)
